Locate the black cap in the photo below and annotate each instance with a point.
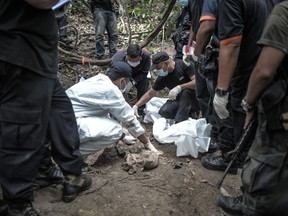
(118, 70)
(159, 57)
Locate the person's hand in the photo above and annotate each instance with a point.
(135, 108)
(174, 92)
(220, 103)
(150, 146)
(121, 10)
(186, 59)
(187, 50)
(129, 140)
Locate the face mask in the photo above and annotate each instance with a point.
(121, 88)
(161, 73)
(133, 64)
(183, 3)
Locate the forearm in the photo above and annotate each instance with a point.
(190, 37)
(42, 4)
(263, 73)
(228, 57)
(143, 138)
(145, 98)
(256, 85)
(188, 85)
(203, 36)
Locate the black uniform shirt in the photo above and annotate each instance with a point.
(104, 4)
(246, 19)
(195, 9)
(28, 37)
(243, 20)
(209, 10)
(180, 75)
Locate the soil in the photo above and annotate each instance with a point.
(179, 186)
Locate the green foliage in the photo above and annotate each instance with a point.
(78, 6)
(146, 13)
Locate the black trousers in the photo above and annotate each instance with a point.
(211, 83)
(202, 93)
(142, 87)
(181, 108)
(63, 133)
(239, 85)
(25, 101)
(222, 130)
(33, 107)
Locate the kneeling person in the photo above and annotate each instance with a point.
(180, 80)
(101, 110)
(140, 62)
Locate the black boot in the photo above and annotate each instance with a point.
(213, 146)
(73, 185)
(219, 163)
(25, 210)
(231, 205)
(51, 175)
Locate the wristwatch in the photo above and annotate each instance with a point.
(247, 107)
(220, 91)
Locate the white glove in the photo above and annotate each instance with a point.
(174, 92)
(135, 108)
(186, 59)
(128, 87)
(150, 146)
(121, 10)
(129, 139)
(195, 58)
(220, 103)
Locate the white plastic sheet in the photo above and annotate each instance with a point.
(190, 136)
(152, 108)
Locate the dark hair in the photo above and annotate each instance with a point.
(134, 50)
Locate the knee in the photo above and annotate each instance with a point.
(165, 112)
(187, 93)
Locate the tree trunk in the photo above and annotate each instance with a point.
(154, 33)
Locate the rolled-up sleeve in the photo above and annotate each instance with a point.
(123, 112)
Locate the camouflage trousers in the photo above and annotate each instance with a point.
(265, 175)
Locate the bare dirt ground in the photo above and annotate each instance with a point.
(179, 186)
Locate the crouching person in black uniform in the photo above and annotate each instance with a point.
(180, 80)
(140, 62)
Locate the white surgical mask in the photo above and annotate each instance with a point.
(133, 64)
(183, 3)
(161, 73)
(121, 88)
